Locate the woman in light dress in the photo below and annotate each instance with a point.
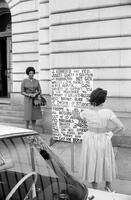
(97, 159)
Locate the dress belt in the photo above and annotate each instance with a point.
(97, 130)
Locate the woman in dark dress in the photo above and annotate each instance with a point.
(30, 88)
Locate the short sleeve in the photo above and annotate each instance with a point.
(115, 120)
(112, 115)
(23, 86)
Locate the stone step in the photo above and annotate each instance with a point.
(22, 125)
(11, 119)
(11, 113)
(5, 101)
(8, 112)
(5, 106)
(14, 116)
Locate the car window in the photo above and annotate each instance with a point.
(19, 152)
(51, 160)
(54, 181)
(52, 176)
(16, 156)
(5, 162)
(26, 154)
(42, 166)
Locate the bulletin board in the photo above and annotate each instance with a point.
(70, 89)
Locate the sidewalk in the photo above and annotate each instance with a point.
(122, 184)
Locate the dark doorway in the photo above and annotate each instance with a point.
(5, 49)
(3, 68)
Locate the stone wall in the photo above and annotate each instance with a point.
(30, 47)
(58, 34)
(97, 35)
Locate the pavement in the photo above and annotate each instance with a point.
(70, 155)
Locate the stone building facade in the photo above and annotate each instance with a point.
(58, 34)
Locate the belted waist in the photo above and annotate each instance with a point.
(97, 130)
(30, 92)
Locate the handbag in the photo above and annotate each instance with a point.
(39, 101)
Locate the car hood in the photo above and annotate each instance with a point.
(102, 195)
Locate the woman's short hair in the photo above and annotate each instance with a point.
(28, 69)
(98, 96)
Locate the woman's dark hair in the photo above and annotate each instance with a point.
(28, 69)
(98, 96)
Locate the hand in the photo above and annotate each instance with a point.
(120, 131)
(75, 114)
(33, 95)
(29, 95)
(123, 131)
(109, 134)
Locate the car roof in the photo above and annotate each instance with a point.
(11, 131)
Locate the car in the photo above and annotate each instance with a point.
(103, 195)
(29, 169)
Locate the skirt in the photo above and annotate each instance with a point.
(31, 112)
(97, 158)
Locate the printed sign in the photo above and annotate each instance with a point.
(70, 89)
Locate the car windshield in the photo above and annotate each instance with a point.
(21, 155)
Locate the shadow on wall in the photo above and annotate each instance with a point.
(121, 141)
(46, 122)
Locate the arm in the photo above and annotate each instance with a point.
(23, 88)
(116, 126)
(38, 89)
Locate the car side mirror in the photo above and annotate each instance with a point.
(45, 154)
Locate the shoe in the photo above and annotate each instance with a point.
(109, 189)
